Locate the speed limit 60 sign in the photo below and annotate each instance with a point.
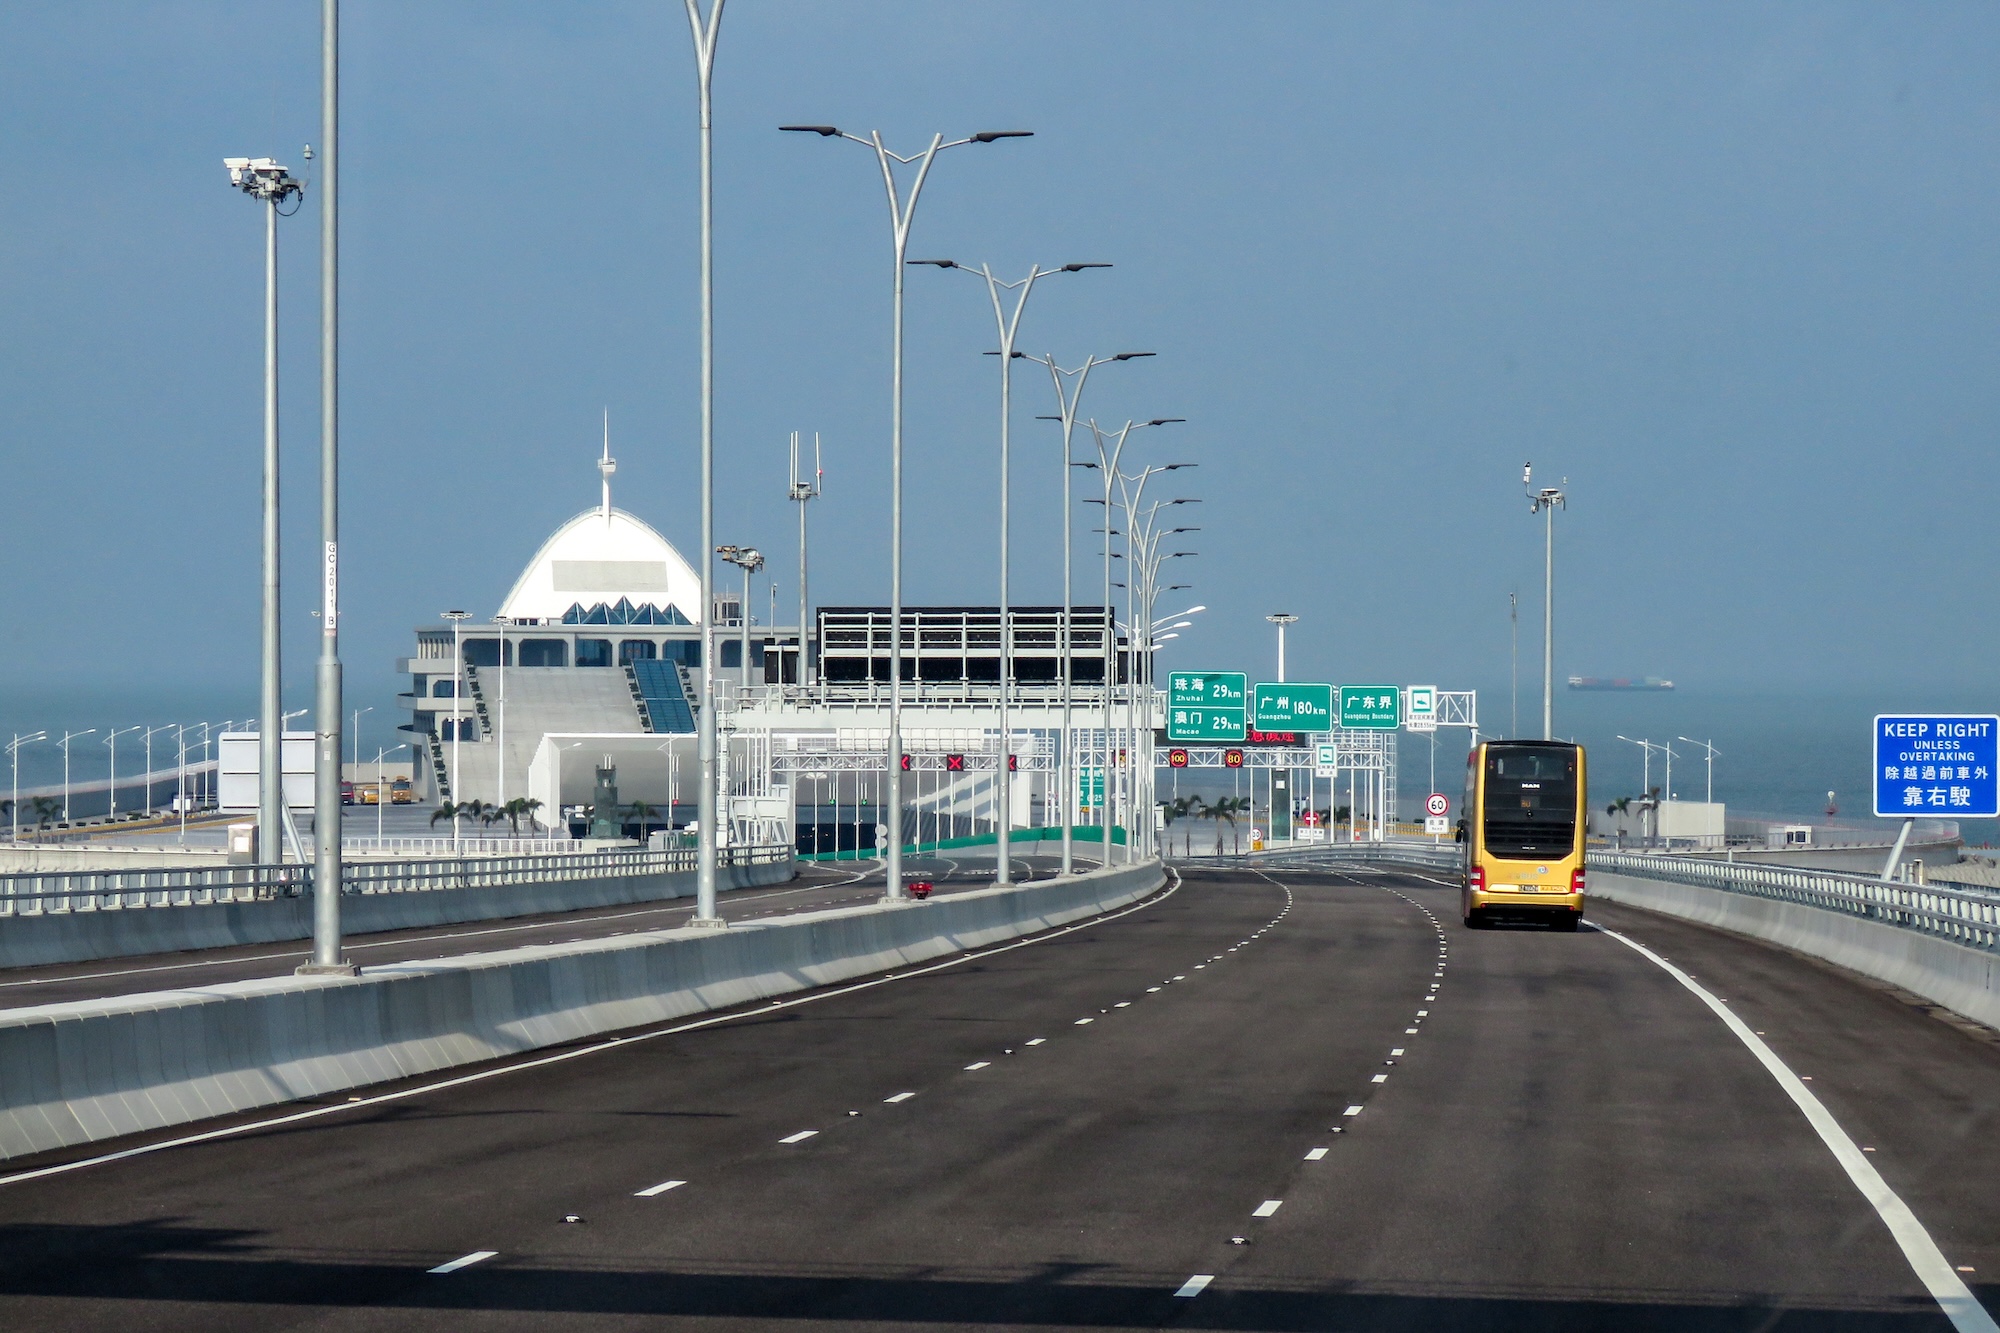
(1437, 803)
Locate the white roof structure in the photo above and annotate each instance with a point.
(601, 556)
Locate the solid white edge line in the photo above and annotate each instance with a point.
(1193, 1286)
(710, 1020)
(660, 1188)
(1946, 1287)
(466, 1261)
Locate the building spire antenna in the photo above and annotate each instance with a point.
(606, 465)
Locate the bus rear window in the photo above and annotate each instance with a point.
(1530, 801)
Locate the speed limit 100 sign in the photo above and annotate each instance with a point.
(1437, 803)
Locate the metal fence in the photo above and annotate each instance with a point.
(121, 890)
(1965, 917)
(444, 846)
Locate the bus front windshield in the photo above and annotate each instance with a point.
(1530, 801)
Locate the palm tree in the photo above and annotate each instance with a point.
(1227, 809)
(645, 814)
(519, 807)
(46, 810)
(1172, 810)
(446, 810)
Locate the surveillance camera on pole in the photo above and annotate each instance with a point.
(1545, 502)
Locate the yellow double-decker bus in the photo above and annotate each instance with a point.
(1523, 831)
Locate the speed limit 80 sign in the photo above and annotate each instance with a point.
(1437, 803)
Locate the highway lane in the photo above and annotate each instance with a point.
(1561, 1136)
(817, 887)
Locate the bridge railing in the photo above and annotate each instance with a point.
(123, 890)
(1427, 855)
(1966, 917)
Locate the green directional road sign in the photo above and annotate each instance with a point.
(1205, 706)
(1090, 787)
(1371, 706)
(1292, 706)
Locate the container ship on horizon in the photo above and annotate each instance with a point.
(1618, 683)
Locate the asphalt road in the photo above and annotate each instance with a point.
(817, 887)
(1305, 1100)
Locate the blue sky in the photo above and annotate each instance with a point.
(1730, 269)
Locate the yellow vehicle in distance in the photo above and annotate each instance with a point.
(400, 792)
(1523, 831)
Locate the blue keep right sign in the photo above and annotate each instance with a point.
(1939, 764)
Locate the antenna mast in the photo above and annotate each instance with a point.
(606, 465)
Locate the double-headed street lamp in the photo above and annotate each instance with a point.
(1110, 448)
(1008, 326)
(1546, 501)
(902, 211)
(1069, 395)
(1712, 752)
(263, 179)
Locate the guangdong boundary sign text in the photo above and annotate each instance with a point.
(1938, 764)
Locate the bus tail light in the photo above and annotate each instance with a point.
(1476, 879)
(1576, 880)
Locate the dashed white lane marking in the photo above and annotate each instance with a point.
(1193, 1286)
(1352, 1110)
(1315, 1154)
(899, 1097)
(1199, 966)
(1939, 1277)
(660, 1188)
(1151, 989)
(799, 1137)
(1269, 1206)
(1081, 1021)
(1395, 1050)
(1122, 1004)
(977, 1064)
(1409, 1032)
(1423, 1013)
(1181, 977)
(466, 1261)
(1379, 1078)
(1037, 1041)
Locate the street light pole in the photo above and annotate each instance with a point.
(749, 559)
(457, 619)
(500, 720)
(705, 31)
(1546, 501)
(1281, 619)
(263, 179)
(1514, 634)
(14, 754)
(1008, 326)
(69, 736)
(1067, 402)
(1711, 753)
(150, 733)
(327, 813)
(112, 741)
(902, 211)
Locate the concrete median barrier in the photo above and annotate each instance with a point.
(40, 939)
(77, 1073)
(1963, 980)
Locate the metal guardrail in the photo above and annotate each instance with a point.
(1968, 918)
(1427, 855)
(123, 890)
(482, 846)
